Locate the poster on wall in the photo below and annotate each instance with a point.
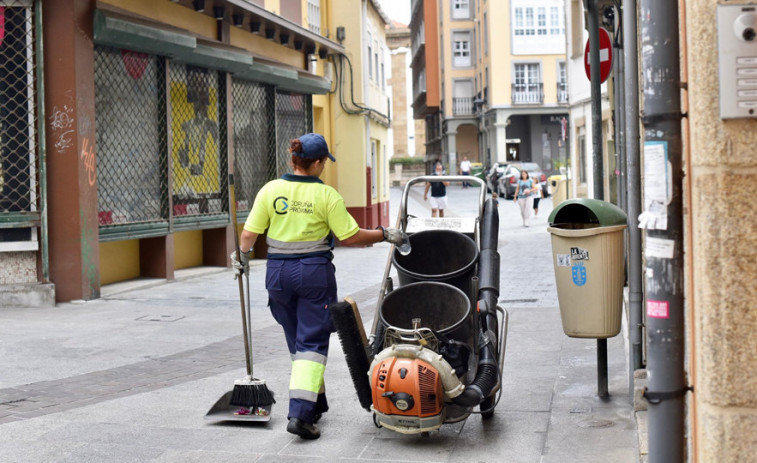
(195, 153)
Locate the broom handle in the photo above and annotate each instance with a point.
(232, 199)
(249, 321)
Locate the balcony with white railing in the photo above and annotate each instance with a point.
(562, 92)
(528, 93)
(462, 106)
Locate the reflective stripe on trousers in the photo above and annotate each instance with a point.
(307, 376)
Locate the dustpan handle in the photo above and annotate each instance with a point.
(233, 209)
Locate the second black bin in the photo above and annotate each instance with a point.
(438, 306)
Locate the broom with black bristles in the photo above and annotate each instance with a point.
(249, 392)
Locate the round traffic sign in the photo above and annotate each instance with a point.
(605, 56)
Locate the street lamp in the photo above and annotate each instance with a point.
(478, 103)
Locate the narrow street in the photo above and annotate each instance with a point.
(130, 376)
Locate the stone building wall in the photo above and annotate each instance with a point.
(723, 248)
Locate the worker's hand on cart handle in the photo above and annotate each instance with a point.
(240, 268)
(394, 236)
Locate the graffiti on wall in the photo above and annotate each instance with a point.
(62, 123)
(88, 161)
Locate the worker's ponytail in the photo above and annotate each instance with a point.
(295, 146)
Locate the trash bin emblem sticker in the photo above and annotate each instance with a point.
(579, 274)
(579, 254)
(563, 260)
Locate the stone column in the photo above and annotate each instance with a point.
(452, 151)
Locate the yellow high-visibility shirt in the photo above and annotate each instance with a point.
(300, 213)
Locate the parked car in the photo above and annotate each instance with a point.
(503, 178)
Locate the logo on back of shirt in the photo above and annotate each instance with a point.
(281, 205)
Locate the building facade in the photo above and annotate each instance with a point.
(361, 110)
(408, 134)
(503, 90)
(117, 153)
(581, 166)
(425, 69)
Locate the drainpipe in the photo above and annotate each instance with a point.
(620, 97)
(633, 183)
(43, 240)
(664, 239)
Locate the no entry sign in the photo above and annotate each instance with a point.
(605, 56)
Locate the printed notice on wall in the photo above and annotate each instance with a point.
(657, 186)
(658, 309)
(659, 248)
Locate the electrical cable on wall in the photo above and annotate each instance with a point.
(357, 108)
(339, 87)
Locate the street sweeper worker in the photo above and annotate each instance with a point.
(302, 216)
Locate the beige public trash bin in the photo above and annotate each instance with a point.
(558, 189)
(587, 252)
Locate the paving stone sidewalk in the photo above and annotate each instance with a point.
(129, 377)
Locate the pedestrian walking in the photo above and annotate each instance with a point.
(537, 193)
(465, 169)
(524, 197)
(302, 216)
(438, 193)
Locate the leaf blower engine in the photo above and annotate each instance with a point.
(409, 385)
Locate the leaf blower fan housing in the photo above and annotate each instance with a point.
(408, 396)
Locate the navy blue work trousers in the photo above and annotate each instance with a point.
(299, 294)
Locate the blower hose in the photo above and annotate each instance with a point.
(487, 376)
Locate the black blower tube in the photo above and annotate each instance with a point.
(490, 226)
(487, 374)
(486, 378)
(489, 259)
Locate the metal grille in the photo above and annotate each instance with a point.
(18, 116)
(293, 118)
(198, 152)
(130, 138)
(253, 114)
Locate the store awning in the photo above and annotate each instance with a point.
(140, 34)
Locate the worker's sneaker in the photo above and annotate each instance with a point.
(303, 429)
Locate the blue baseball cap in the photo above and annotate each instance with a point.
(314, 146)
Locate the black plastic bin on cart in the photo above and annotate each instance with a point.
(587, 252)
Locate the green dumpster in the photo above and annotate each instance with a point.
(587, 252)
(477, 170)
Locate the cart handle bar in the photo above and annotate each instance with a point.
(441, 178)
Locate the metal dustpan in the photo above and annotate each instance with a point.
(222, 410)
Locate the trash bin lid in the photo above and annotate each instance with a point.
(588, 211)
